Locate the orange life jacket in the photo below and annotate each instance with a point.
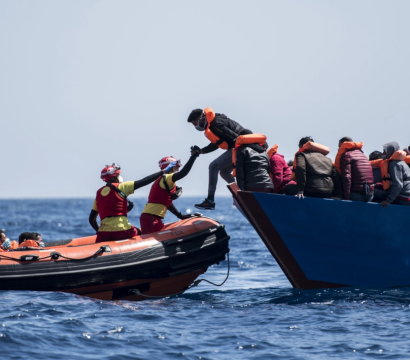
(347, 145)
(384, 167)
(13, 245)
(310, 146)
(210, 116)
(246, 139)
(273, 150)
(378, 162)
(30, 243)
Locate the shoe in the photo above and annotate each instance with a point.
(206, 205)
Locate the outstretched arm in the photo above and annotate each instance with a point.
(178, 214)
(147, 180)
(186, 169)
(93, 219)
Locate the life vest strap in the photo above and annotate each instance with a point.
(130, 203)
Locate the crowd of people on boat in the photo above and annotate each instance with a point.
(254, 166)
(247, 159)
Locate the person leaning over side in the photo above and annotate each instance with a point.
(163, 192)
(355, 171)
(395, 177)
(315, 174)
(222, 132)
(252, 168)
(112, 205)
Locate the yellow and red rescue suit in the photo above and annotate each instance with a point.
(112, 207)
(159, 200)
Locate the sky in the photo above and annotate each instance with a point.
(87, 83)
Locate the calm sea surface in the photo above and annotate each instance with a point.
(255, 315)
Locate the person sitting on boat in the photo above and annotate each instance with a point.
(163, 192)
(113, 205)
(251, 163)
(5, 243)
(281, 172)
(314, 173)
(30, 240)
(355, 171)
(377, 174)
(395, 176)
(222, 132)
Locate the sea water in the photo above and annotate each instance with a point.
(256, 314)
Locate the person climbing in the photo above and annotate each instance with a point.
(163, 192)
(112, 204)
(355, 171)
(222, 132)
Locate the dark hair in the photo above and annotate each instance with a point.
(1, 231)
(265, 145)
(195, 114)
(290, 163)
(375, 155)
(344, 139)
(27, 236)
(304, 140)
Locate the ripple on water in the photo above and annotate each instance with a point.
(255, 315)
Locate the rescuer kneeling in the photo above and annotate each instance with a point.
(163, 192)
(113, 206)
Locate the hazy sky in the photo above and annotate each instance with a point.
(87, 83)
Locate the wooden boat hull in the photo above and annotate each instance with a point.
(158, 264)
(322, 243)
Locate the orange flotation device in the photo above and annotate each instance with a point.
(310, 146)
(347, 145)
(273, 150)
(384, 166)
(243, 140)
(29, 243)
(378, 162)
(210, 116)
(13, 245)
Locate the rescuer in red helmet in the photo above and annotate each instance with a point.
(113, 205)
(163, 192)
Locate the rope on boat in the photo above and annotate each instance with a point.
(54, 255)
(196, 283)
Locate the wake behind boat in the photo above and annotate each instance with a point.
(325, 243)
(153, 265)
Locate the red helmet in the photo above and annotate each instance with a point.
(164, 162)
(110, 171)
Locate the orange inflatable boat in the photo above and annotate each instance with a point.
(153, 265)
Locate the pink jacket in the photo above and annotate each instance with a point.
(281, 172)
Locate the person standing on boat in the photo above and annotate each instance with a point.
(355, 171)
(113, 206)
(314, 173)
(395, 177)
(163, 192)
(222, 132)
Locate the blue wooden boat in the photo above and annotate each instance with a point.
(324, 243)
